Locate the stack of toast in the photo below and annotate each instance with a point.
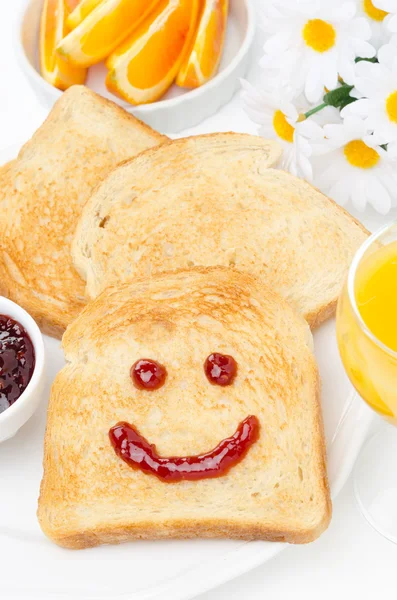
(145, 248)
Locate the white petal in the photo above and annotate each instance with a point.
(314, 88)
(360, 28)
(329, 114)
(390, 183)
(329, 72)
(364, 49)
(358, 192)
(331, 174)
(339, 192)
(386, 55)
(378, 196)
(310, 129)
(277, 43)
(365, 85)
(268, 61)
(359, 108)
(355, 127)
(392, 150)
(304, 166)
(346, 71)
(371, 141)
(387, 5)
(392, 24)
(335, 132)
(345, 12)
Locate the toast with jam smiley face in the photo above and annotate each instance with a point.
(166, 377)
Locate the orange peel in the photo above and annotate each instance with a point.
(203, 61)
(80, 11)
(53, 28)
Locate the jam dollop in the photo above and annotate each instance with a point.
(148, 374)
(136, 451)
(221, 369)
(17, 361)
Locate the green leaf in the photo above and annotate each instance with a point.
(339, 97)
(371, 60)
(347, 101)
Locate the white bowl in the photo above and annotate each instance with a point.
(18, 413)
(180, 109)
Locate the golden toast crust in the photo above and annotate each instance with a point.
(43, 192)
(214, 200)
(278, 492)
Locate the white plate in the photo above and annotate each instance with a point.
(179, 109)
(32, 567)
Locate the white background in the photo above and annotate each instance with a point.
(350, 560)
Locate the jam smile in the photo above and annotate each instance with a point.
(137, 452)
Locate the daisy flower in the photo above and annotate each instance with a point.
(390, 8)
(312, 42)
(376, 19)
(278, 118)
(356, 172)
(376, 90)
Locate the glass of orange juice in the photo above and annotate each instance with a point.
(367, 340)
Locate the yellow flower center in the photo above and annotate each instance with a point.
(374, 13)
(284, 130)
(391, 107)
(360, 155)
(319, 35)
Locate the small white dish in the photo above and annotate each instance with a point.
(179, 109)
(12, 419)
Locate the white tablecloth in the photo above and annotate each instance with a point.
(350, 560)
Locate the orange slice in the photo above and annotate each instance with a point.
(80, 11)
(71, 4)
(103, 30)
(52, 29)
(204, 59)
(145, 66)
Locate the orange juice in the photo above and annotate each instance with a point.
(376, 294)
(367, 329)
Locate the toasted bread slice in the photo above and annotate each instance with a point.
(278, 492)
(211, 200)
(43, 192)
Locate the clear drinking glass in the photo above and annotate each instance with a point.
(372, 368)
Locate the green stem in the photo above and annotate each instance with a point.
(315, 110)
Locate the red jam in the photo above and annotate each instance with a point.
(136, 451)
(17, 361)
(148, 374)
(220, 369)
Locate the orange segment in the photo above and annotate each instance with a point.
(52, 29)
(71, 4)
(145, 66)
(204, 59)
(103, 30)
(80, 11)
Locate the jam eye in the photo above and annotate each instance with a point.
(148, 374)
(220, 369)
